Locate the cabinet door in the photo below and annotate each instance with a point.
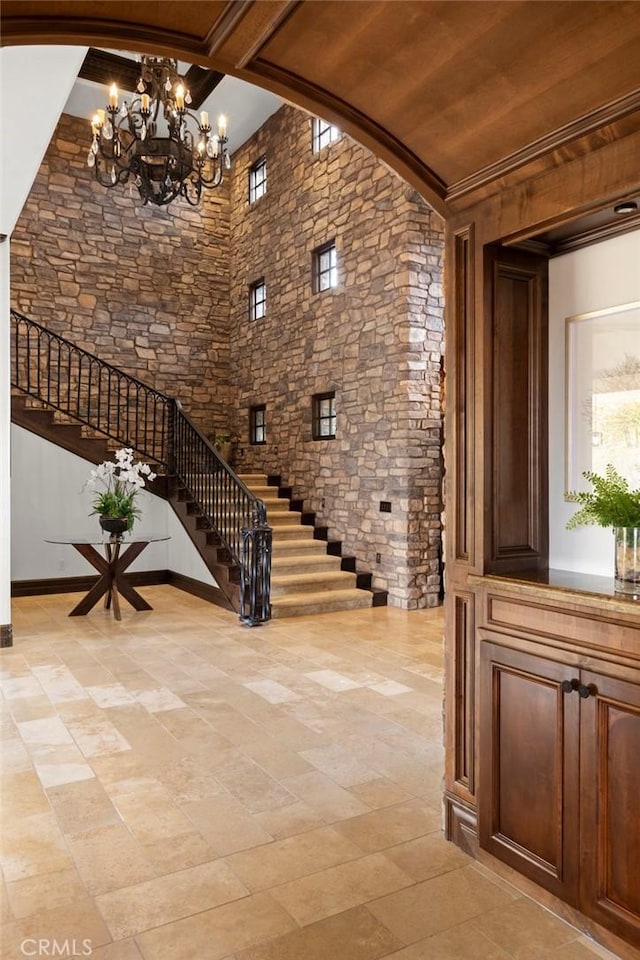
(610, 811)
(529, 766)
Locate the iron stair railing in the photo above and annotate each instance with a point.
(67, 378)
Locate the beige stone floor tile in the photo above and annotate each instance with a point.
(21, 795)
(380, 793)
(34, 845)
(292, 734)
(215, 934)
(294, 857)
(151, 815)
(81, 806)
(28, 709)
(143, 906)
(389, 826)
(287, 821)
(80, 921)
(226, 825)
(524, 929)
(108, 857)
(189, 780)
(178, 853)
(580, 949)
(324, 795)
(427, 856)
(97, 736)
(278, 761)
(459, 943)
(253, 786)
(340, 888)
(6, 914)
(439, 903)
(340, 764)
(119, 769)
(15, 757)
(122, 950)
(49, 889)
(351, 935)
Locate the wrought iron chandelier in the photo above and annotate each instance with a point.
(157, 141)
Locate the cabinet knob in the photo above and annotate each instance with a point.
(568, 686)
(586, 691)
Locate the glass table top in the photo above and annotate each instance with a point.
(100, 540)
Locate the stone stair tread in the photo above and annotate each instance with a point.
(312, 603)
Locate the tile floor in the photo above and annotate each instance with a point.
(179, 787)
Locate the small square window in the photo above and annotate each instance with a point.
(258, 300)
(258, 424)
(258, 180)
(323, 134)
(325, 267)
(324, 416)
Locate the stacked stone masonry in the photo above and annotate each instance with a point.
(376, 339)
(163, 294)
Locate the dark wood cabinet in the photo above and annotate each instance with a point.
(559, 796)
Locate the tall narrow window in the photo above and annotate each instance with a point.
(324, 416)
(325, 267)
(258, 180)
(258, 300)
(323, 133)
(258, 424)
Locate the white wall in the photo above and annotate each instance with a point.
(604, 275)
(47, 500)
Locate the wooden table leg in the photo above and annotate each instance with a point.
(112, 581)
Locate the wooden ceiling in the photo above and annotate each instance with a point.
(461, 98)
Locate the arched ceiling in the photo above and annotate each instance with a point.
(459, 97)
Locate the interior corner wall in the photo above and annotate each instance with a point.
(376, 340)
(597, 277)
(144, 287)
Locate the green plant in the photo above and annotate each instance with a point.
(121, 479)
(610, 504)
(220, 439)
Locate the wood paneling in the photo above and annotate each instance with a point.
(462, 693)
(528, 814)
(516, 387)
(464, 408)
(610, 790)
(456, 96)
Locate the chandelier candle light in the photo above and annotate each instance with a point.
(168, 154)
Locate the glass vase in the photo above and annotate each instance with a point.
(627, 560)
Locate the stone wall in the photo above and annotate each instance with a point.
(145, 288)
(376, 340)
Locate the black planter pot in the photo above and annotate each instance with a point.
(114, 525)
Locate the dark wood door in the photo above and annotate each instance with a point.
(610, 811)
(529, 767)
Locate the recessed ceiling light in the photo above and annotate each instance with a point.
(628, 206)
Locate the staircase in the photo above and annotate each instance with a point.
(305, 578)
(265, 554)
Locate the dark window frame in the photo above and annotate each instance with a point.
(257, 179)
(323, 133)
(258, 424)
(320, 415)
(321, 271)
(257, 300)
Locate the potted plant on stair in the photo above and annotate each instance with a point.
(612, 503)
(223, 442)
(121, 478)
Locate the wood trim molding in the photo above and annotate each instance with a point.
(463, 271)
(197, 588)
(580, 127)
(142, 578)
(6, 635)
(273, 24)
(47, 586)
(233, 13)
(387, 147)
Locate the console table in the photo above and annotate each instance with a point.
(119, 553)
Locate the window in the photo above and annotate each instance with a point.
(258, 180)
(324, 416)
(258, 300)
(258, 424)
(323, 133)
(325, 267)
